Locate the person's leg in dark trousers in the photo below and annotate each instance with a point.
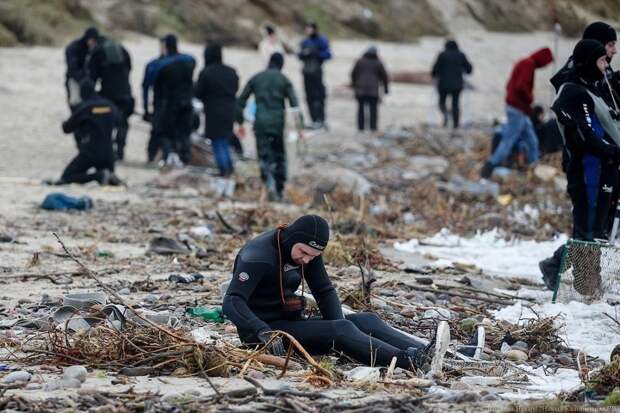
(360, 113)
(456, 110)
(372, 325)
(321, 336)
(605, 201)
(184, 129)
(77, 171)
(315, 96)
(163, 122)
(373, 102)
(153, 145)
(615, 176)
(442, 106)
(309, 86)
(279, 163)
(126, 109)
(121, 138)
(266, 160)
(321, 97)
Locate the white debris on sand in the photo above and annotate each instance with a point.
(545, 386)
(489, 251)
(586, 327)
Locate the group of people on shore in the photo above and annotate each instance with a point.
(100, 98)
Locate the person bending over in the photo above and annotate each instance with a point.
(261, 299)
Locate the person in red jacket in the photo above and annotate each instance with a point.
(519, 99)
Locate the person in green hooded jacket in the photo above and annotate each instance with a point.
(271, 89)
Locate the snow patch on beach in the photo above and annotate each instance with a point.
(585, 326)
(490, 251)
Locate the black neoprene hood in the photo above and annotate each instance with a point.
(311, 230)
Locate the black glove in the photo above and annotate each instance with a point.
(147, 117)
(276, 347)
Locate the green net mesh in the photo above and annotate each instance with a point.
(589, 271)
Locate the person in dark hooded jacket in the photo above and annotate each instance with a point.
(217, 89)
(314, 50)
(367, 76)
(76, 54)
(271, 90)
(519, 99)
(448, 72)
(591, 153)
(96, 119)
(110, 63)
(173, 116)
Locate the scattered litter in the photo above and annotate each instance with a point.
(185, 278)
(207, 314)
(166, 246)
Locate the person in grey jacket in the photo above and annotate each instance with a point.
(367, 77)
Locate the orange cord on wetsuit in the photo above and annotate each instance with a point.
(281, 268)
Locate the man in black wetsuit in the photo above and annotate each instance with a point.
(591, 152)
(261, 298)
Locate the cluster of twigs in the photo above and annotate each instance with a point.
(605, 380)
(136, 346)
(157, 348)
(540, 333)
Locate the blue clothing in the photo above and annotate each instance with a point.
(59, 201)
(518, 128)
(152, 70)
(319, 45)
(592, 168)
(222, 155)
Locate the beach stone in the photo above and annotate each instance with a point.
(437, 312)
(70, 383)
(520, 345)
(459, 385)
(456, 300)
(17, 376)
(150, 298)
(490, 397)
(546, 360)
(124, 291)
(53, 385)
(516, 355)
(34, 386)
(255, 374)
(565, 359)
(75, 372)
(408, 312)
(273, 385)
(398, 319)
